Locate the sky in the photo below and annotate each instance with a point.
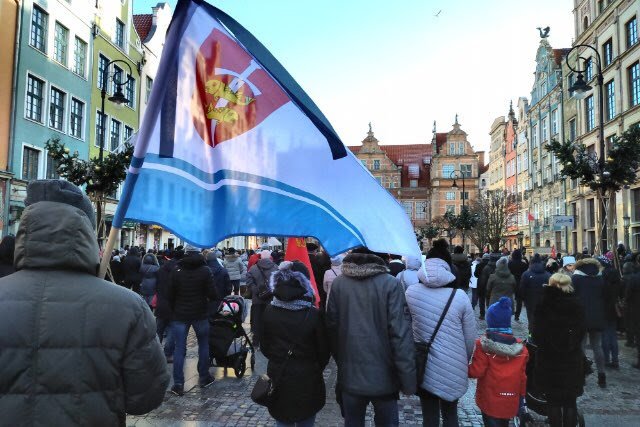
(401, 67)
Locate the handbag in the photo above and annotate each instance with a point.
(423, 348)
(263, 392)
(264, 293)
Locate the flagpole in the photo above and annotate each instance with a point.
(106, 254)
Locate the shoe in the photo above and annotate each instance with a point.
(177, 389)
(517, 319)
(602, 380)
(206, 382)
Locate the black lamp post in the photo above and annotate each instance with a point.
(117, 98)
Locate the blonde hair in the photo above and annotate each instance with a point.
(562, 282)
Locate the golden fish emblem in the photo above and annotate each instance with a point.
(220, 90)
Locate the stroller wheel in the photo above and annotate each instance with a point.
(253, 361)
(240, 367)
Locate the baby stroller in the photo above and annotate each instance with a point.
(535, 400)
(228, 341)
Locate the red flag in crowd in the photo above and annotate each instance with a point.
(553, 251)
(297, 251)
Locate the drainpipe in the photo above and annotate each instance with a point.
(12, 142)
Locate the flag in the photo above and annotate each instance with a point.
(530, 217)
(297, 250)
(231, 145)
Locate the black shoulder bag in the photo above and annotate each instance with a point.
(264, 390)
(264, 293)
(423, 348)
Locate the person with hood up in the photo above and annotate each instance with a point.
(483, 281)
(395, 264)
(461, 261)
(296, 346)
(559, 369)
(149, 284)
(501, 282)
(131, 276)
(7, 249)
(370, 340)
(612, 288)
(332, 273)
(254, 256)
(568, 265)
(221, 280)
(258, 286)
(76, 350)
(473, 281)
(517, 267)
(531, 285)
(499, 363)
(236, 269)
(409, 276)
(552, 266)
(589, 287)
(446, 375)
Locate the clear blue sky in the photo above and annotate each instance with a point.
(399, 66)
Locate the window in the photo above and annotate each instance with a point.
(585, 25)
(609, 90)
(554, 122)
(450, 208)
(464, 195)
(376, 165)
(447, 170)
(130, 91)
(103, 61)
(119, 34)
(30, 160)
(461, 148)
(525, 161)
(117, 77)
(421, 210)
(115, 135)
(631, 28)
(452, 148)
(79, 57)
(590, 119)
(607, 52)
(364, 163)
(572, 129)
(149, 85)
(61, 44)
(39, 23)
(534, 136)
(128, 132)
(100, 126)
(570, 81)
(56, 109)
(52, 168)
(634, 84)
(466, 170)
(544, 129)
(588, 69)
(35, 89)
(413, 183)
(450, 195)
(601, 6)
(408, 208)
(591, 213)
(636, 204)
(76, 118)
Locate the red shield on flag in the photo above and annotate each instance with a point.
(233, 94)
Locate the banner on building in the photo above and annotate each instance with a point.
(561, 221)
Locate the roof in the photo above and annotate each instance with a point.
(402, 154)
(441, 138)
(143, 24)
(558, 54)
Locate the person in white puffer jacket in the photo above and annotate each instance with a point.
(446, 375)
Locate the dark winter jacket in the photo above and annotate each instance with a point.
(395, 267)
(632, 299)
(7, 248)
(558, 333)
(487, 271)
(531, 285)
(300, 388)
(220, 281)
(501, 284)
(75, 350)
(131, 275)
(149, 283)
(191, 288)
(163, 308)
(517, 267)
(462, 264)
(612, 292)
(116, 269)
(258, 279)
(478, 271)
(370, 338)
(589, 287)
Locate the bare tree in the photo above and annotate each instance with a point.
(492, 217)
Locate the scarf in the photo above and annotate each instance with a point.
(295, 305)
(501, 335)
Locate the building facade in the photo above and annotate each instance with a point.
(511, 180)
(496, 154)
(52, 91)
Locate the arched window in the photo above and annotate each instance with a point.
(586, 23)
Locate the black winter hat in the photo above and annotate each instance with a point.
(60, 191)
(440, 249)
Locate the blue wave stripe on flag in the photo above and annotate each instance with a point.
(204, 217)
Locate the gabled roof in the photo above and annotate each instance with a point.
(143, 24)
(559, 54)
(402, 154)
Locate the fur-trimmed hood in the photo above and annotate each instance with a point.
(501, 349)
(289, 285)
(363, 266)
(588, 267)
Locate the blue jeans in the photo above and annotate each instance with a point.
(309, 422)
(180, 330)
(163, 329)
(610, 342)
(385, 410)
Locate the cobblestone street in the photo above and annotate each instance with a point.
(227, 401)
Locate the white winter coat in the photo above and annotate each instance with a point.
(446, 375)
(473, 282)
(409, 276)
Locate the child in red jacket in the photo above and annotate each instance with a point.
(499, 361)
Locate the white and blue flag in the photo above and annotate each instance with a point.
(231, 145)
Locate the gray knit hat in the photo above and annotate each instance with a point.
(60, 191)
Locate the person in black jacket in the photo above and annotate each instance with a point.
(483, 280)
(632, 304)
(463, 266)
(7, 247)
(559, 359)
(517, 267)
(590, 288)
(395, 265)
(531, 284)
(296, 346)
(612, 288)
(132, 277)
(190, 290)
(163, 308)
(220, 280)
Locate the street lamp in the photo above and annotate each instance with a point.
(626, 221)
(520, 237)
(118, 97)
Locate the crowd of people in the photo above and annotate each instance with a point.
(392, 324)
